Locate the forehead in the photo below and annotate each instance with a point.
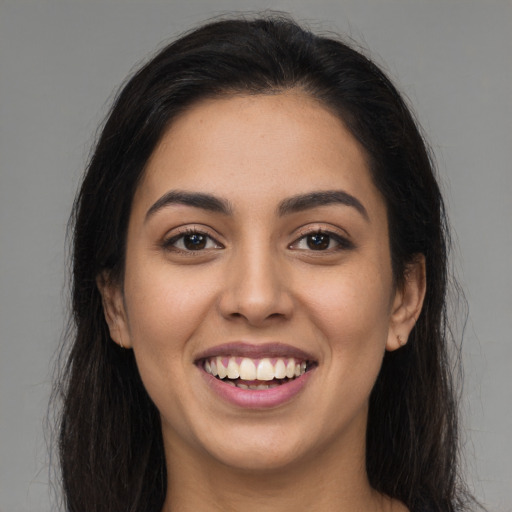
(257, 147)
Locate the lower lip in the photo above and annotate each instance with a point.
(257, 398)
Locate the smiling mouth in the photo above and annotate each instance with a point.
(255, 374)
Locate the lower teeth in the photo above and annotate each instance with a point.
(252, 386)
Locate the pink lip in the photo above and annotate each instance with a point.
(255, 351)
(257, 398)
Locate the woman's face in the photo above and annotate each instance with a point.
(258, 248)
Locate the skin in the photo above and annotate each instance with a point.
(257, 280)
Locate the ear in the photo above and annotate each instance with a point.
(407, 303)
(114, 309)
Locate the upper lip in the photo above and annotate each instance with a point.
(255, 351)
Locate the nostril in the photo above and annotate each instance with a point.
(255, 318)
(255, 299)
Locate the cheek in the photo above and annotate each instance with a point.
(356, 322)
(164, 307)
(352, 312)
(353, 307)
(164, 311)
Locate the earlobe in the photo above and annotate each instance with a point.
(114, 309)
(407, 303)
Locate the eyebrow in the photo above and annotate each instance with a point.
(303, 202)
(291, 205)
(194, 199)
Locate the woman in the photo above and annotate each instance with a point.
(259, 281)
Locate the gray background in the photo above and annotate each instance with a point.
(59, 65)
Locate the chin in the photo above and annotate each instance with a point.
(256, 450)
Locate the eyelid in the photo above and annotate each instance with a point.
(343, 240)
(182, 231)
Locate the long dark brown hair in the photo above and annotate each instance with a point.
(110, 442)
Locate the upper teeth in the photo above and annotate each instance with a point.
(254, 369)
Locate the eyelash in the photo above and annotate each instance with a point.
(170, 243)
(342, 242)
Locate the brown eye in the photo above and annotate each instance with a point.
(322, 241)
(194, 241)
(318, 241)
(191, 241)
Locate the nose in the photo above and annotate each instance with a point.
(257, 289)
